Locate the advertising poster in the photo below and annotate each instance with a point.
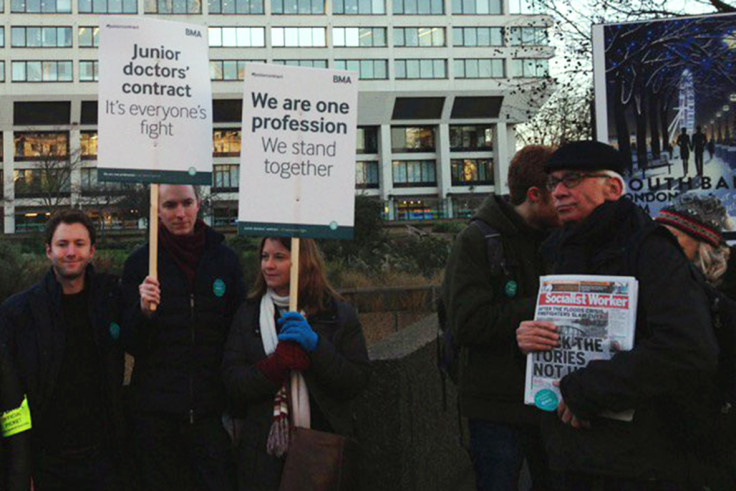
(297, 164)
(155, 102)
(665, 93)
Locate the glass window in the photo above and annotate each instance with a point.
(236, 37)
(420, 68)
(418, 7)
(297, 7)
(419, 36)
(226, 142)
(304, 37)
(358, 36)
(41, 6)
(225, 177)
(2, 71)
(172, 7)
(227, 70)
(412, 139)
(529, 68)
(41, 37)
(367, 69)
(478, 68)
(354, 7)
(108, 6)
(468, 172)
(366, 175)
(2, 33)
(235, 6)
(367, 139)
(527, 7)
(414, 173)
(89, 36)
(42, 71)
(303, 63)
(477, 7)
(33, 145)
(88, 70)
(88, 143)
(528, 36)
(471, 137)
(477, 36)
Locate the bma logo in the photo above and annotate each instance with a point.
(339, 79)
(193, 32)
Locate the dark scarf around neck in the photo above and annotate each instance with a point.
(186, 250)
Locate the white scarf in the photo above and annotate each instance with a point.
(299, 393)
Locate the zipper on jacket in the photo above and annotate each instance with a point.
(191, 385)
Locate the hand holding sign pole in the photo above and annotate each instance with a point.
(155, 108)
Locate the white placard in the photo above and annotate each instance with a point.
(297, 160)
(155, 102)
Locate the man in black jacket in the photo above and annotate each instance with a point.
(486, 298)
(63, 335)
(178, 394)
(667, 378)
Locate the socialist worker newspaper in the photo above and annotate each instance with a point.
(595, 317)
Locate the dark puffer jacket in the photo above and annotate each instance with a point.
(31, 327)
(178, 351)
(339, 371)
(484, 317)
(667, 378)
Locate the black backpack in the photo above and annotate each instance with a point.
(448, 352)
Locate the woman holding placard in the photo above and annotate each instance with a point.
(324, 344)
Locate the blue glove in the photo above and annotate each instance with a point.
(294, 327)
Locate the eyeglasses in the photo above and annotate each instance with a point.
(570, 180)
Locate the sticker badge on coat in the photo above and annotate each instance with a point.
(511, 288)
(114, 331)
(218, 287)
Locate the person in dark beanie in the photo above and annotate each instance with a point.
(697, 222)
(667, 379)
(176, 327)
(486, 298)
(63, 337)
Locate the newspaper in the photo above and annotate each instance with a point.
(595, 315)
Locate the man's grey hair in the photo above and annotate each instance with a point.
(615, 175)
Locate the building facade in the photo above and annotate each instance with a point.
(443, 83)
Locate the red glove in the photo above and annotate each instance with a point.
(288, 356)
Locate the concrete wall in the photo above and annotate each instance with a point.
(409, 440)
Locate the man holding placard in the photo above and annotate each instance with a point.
(667, 378)
(177, 325)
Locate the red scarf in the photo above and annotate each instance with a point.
(186, 250)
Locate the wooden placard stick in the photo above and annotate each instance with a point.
(301, 417)
(153, 237)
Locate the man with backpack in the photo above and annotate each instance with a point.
(667, 379)
(491, 283)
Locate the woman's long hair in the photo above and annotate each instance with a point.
(315, 292)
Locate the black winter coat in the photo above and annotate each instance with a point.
(15, 473)
(484, 313)
(667, 378)
(178, 351)
(339, 371)
(31, 326)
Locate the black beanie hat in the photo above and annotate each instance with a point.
(586, 156)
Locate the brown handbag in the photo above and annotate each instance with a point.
(316, 460)
(319, 461)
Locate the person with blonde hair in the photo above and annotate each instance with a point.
(323, 341)
(697, 221)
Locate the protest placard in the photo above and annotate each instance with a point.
(297, 164)
(155, 102)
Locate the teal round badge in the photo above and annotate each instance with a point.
(546, 400)
(511, 288)
(114, 331)
(333, 225)
(192, 171)
(218, 287)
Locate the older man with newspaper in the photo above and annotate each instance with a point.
(667, 378)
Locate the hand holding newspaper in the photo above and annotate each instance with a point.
(595, 317)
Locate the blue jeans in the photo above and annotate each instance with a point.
(497, 455)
